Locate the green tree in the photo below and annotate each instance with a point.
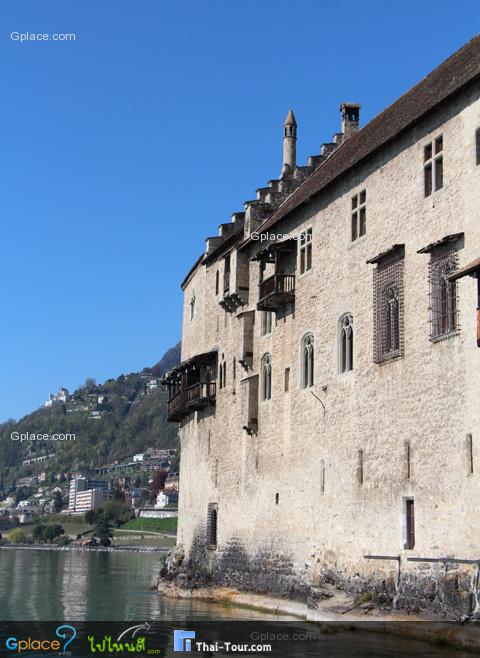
(22, 493)
(38, 532)
(104, 530)
(17, 536)
(117, 492)
(57, 502)
(47, 533)
(51, 532)
(90, 516)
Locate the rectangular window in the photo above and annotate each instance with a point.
(388, 306)
(443, 292)
(409, 524)
(226, 274)
(266, 326)
(359, 215)
(287, 379)
(360, 468)
(306, 251)
(470, 453)
(477, 145)
(433, 166)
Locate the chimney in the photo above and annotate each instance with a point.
(350, 118)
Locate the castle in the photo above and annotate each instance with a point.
(328, 394)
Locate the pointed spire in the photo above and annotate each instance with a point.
(290, 120)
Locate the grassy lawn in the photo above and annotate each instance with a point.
(153, 525)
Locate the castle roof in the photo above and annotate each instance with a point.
(454, 74)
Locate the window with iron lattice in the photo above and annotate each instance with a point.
(388, 305)
(443, 292)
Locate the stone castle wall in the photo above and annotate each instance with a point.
(306, 448)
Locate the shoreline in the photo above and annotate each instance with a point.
(342, 610)
(85, 549)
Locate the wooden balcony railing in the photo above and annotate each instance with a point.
(196, 396)
(276, 291)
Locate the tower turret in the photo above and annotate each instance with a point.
(289, 141)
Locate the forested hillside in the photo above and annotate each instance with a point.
(110, 421)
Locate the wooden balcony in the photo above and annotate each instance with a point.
(191, 398)
(276, 291)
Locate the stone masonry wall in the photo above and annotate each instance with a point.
(314, 533)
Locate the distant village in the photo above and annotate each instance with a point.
(91, 403)
(73, 493)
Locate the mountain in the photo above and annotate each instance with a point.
(168, 360)
(111, 422)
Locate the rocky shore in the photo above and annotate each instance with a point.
(328, 605)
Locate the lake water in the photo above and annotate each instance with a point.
(44, 585)
(105, 586)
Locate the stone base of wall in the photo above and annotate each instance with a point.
(451, 596)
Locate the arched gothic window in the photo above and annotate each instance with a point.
(346, 343)
(308, 361)
(392, 334)
(266, 377)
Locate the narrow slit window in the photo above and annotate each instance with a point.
(212, 525)
(287, 379)
(477, 145)
(408, 459)
(409, 524)
(360, 468)
(470, 452)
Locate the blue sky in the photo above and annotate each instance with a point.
(123, 149)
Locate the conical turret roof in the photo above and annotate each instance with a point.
(290, 120)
